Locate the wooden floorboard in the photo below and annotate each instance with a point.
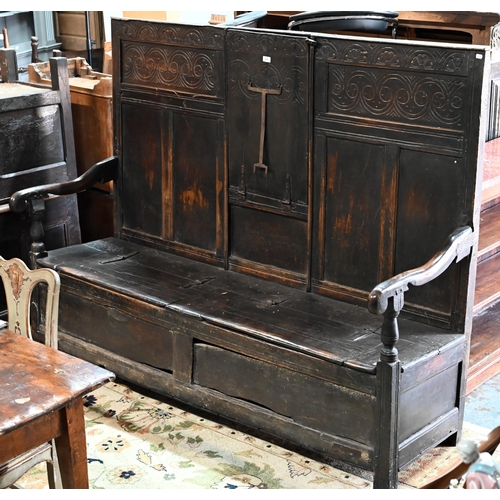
(484, 360)
(489, 233)
(490, 197)
(487, 283)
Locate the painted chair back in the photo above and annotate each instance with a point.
(19, 282)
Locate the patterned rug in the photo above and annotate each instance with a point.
(134, 441)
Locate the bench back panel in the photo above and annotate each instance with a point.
(371, 148)
(397, 135)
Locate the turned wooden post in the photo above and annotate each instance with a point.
(34, 49)
(36, 209)
(386, 460)
(387, 298)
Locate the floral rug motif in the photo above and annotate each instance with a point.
(134, 441)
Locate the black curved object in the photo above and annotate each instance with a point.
(324, 21)
(104, 171)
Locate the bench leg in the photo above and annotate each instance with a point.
(386, 448)
(71, 447)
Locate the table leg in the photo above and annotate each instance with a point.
(71, 447)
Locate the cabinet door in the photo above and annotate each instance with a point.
(267, 110)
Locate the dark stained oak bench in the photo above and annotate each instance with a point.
(296, 220)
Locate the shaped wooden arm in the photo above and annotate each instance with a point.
(101, 172)
(457, 247)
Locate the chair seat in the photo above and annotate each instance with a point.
(12, 470)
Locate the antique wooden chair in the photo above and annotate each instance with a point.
(37, 142)
(20, 283)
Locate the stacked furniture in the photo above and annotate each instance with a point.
(92, 111)
(36, 147)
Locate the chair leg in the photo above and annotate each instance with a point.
(53, 472)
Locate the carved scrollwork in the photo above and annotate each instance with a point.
(266, 44)
(278, 72)
(421, 99)
(181, 35)
(393, 56)
(170, 67)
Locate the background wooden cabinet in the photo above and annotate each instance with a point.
(21, 26)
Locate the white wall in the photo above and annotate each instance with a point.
(108, 14)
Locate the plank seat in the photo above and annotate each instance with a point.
(335, 331)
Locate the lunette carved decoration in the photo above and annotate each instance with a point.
(272, 75)
(419, 99)
(290, 79)
(180, 35)
(266, 44)
(170, 68)
(392, 56)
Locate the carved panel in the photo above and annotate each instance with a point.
(179, 35)
(172, 68)
(397, 96)
(273, 73)
(266, 44)
(267, 92)
(405, 57)
(30, 138)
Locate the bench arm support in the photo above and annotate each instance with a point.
(457, 247)
(101, 172)
(387, 298)
(33, 200)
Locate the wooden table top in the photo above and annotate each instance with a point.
(36, 380)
